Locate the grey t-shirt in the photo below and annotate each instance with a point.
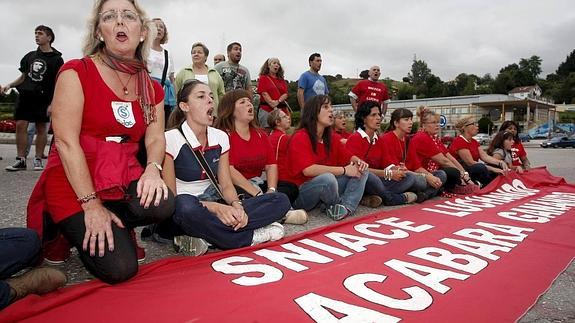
(506, 155)
(235, 76)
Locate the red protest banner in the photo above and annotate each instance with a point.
(479, 258)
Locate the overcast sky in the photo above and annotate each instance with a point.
(479, 36)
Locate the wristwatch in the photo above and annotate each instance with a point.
(158, 166)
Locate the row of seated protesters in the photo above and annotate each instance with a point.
(280, 176)
(314, 167)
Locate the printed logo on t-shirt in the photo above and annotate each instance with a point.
(123, 113)
(37, 70)
(318, 87)
(234, 78)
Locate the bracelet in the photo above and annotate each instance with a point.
(236, 201)
(273, 189)
(259, 193)
(87, 198)
(343, 171)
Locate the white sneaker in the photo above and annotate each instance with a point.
(272, 232)
(38, 164)
(190, 246)
(296, 217)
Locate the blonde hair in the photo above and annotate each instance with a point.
(265, 69)
(164, 39)
(460, 124)
(424, 112)
(92, 44)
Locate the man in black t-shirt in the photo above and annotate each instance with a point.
(36, 84)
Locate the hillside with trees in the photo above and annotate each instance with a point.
(421, 82)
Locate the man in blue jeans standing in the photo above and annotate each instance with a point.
(20, 249)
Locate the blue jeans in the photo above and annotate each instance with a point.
(421, 184)
(328, 189)
(377, 186)
(19, 249)
(404, 185)
(197, 221)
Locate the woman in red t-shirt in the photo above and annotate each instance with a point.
(273, 90)
(251, 153)
(278, 139)
(325, 171)
(518, 153)
(468, 152)
(429, 155)
(339, 128)
(94, 187)
(364, 142)
(395, 159)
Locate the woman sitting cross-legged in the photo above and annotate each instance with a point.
(251, 154)
(427, 153)
(364, 143)
(468, 151)
(325, 171)
(395, 142)
(222, 220)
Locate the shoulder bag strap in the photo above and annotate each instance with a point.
(165, 72)
(202, 160)
(280, 93)
(278, 146)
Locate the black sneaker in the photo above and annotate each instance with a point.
(20, 164)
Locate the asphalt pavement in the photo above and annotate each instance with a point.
(556, 305)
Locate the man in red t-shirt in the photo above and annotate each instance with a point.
(370, 90)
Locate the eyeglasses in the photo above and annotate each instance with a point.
(112, 15)
(471, 123)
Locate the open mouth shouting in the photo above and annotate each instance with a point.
(121, 36)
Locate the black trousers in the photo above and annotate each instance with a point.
(122, 263)
(453, 177)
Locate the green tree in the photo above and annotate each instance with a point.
(405, 91)
(485, 125)
(567, 66)
(531, 65)
(419, 73)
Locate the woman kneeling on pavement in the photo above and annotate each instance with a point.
(212, 211)
(253, 164)
(325, 171)
(94, 187)
(364, 142)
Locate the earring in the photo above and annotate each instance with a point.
(141, 39)
(101, 39)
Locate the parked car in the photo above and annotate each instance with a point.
(562, 142)
(523, 137)
(482, 138)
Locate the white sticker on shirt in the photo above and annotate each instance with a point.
(123, 113)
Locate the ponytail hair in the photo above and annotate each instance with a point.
(423, 113)
(178, 115)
